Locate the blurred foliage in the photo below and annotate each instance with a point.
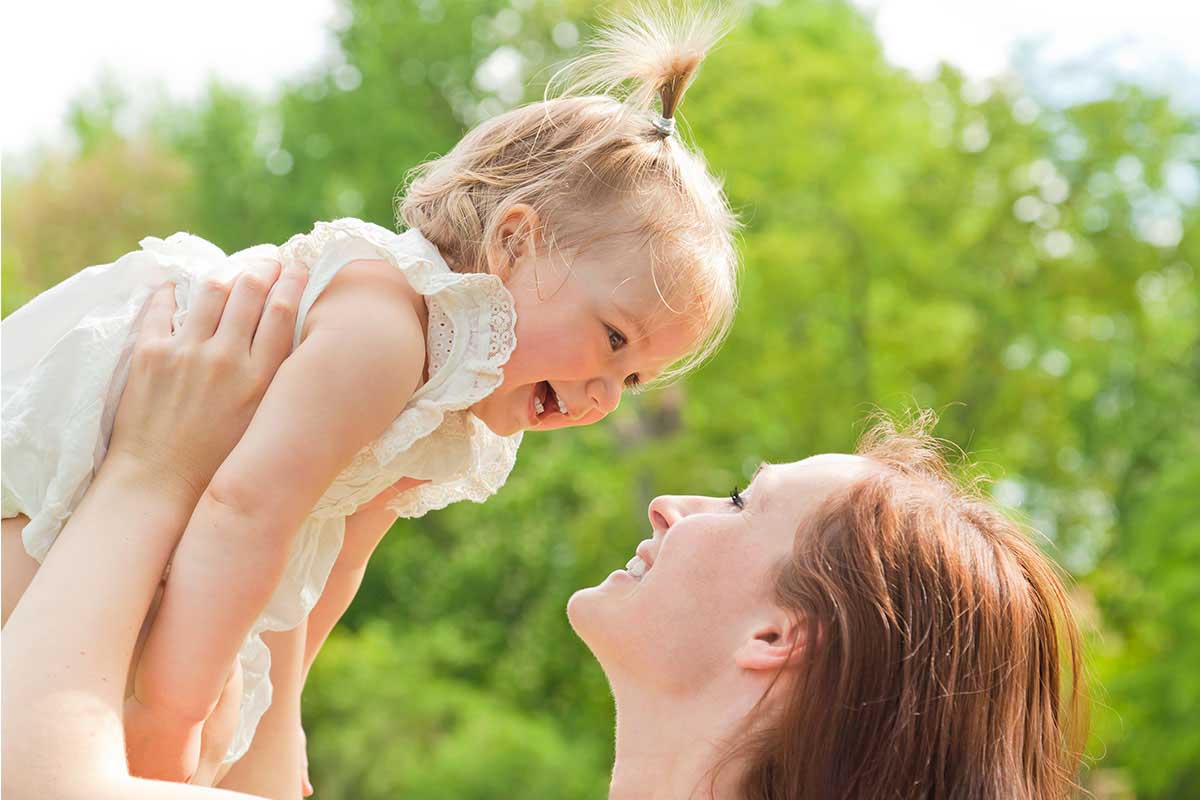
(1029, 271)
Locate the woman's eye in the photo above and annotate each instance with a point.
(615, 340)
(735, 497)
(633, 382)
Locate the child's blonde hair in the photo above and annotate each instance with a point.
(592, 165)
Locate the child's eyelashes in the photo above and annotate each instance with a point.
(616, 339)
(735, 497)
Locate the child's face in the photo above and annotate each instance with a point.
(579, 341)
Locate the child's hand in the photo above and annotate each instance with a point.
(191, 393)
(196, 753)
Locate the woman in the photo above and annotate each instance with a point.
(848, 627)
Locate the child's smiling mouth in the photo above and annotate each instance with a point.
(545, 403)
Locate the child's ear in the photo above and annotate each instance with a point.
(773, 644)
(515, 238)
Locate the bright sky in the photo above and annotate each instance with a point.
(977, 35)
(51, 50)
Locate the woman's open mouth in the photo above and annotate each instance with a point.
(637, 568)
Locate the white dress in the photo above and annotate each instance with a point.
(65, 360)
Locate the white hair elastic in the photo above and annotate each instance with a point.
(664, 125)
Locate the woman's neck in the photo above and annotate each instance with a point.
(669, 748)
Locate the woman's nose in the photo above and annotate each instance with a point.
(664, 511)
(604, 394)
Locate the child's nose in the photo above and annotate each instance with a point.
(604, 394)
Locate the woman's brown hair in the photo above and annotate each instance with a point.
(946, 664)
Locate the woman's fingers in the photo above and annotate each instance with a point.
(208, 303)
(160, 308)
(273, 340)
(245, 305)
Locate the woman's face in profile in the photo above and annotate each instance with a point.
(707, 588)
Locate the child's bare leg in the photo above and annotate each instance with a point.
(273, 766)
(219, 730)
(18, 566)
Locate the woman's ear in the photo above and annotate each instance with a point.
(773, 644)
(515, 237)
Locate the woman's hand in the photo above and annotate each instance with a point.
(190, 396)
(192, 392)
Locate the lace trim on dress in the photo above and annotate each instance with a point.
(471, 335)
(491, 461)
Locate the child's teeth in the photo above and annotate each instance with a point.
(537, 406)
(636, 567)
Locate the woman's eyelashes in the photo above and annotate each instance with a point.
(736, 498)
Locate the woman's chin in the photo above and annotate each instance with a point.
(588, 614)
(580, 608)
(597, 615)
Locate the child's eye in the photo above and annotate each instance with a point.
(616, 340)
(735, 497)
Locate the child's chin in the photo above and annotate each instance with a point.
(501, 427)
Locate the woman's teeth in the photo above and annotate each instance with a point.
(562, 407)
(538, 407)
(636, 567)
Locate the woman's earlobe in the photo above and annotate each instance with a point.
(773, 646)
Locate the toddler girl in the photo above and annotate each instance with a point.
(560, 253)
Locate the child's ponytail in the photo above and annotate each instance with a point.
(647, 55)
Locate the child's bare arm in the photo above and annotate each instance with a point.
(361, 359)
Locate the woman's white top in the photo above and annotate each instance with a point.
(65, 360)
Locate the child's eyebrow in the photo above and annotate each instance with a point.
(632, 321)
